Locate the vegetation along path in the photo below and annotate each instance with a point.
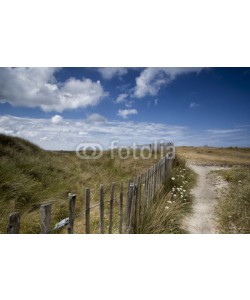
(206, 193)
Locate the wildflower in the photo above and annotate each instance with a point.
(169, 202)
(174, 195)
(166, 207)
(173, 178)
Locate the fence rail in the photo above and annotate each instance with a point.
(140, 193)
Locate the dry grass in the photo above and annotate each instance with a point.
(30, 176)
(233, 212)
(166, 212)
(221, 156)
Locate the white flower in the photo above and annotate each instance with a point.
(166, 207)
(169, 202)
(173, 178)
(174, 195)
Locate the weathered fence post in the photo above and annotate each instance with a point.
(121, 209)
(127, 205)
(146, 190)
(155, 179)
(132, 202)
(102, 226)
(87, 211)
(14, 223)
(72, 204)
(139, 200)
(45, 218)
(112, 197)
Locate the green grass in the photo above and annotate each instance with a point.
(166, 212)
(233, 212)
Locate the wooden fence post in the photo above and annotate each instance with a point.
(112, 197)
(128, 205)
(140, 198)
(131, 201)
(154, 189)
(45, 218)
(146, 190)
(121, 209)
(14, 223)
(102, 226)
(87, 211)
(72, 204)
(137, 203)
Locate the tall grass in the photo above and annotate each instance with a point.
(30, 176)
(174, 201)
(233, 211)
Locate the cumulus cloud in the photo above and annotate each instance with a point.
(96, 118)
(124, 113)
(193, 105)
(108, 73)
(151, 79)
(38, 87)
(56, 119)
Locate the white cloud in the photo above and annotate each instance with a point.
(151, 79)
(37, 87)
(121, 98)
(70, 133)
(193, 104)
(124, 113)
(96, 118)
(56, 119)
(108, 73)
(223, 131)
(156, 102)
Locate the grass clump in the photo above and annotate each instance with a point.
(166, 212)
(233, 211)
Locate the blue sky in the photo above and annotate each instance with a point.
(58, 108)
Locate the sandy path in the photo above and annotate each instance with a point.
(206, 195)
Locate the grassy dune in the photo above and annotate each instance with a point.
(30, 176)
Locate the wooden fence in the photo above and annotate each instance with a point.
(131, 204)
